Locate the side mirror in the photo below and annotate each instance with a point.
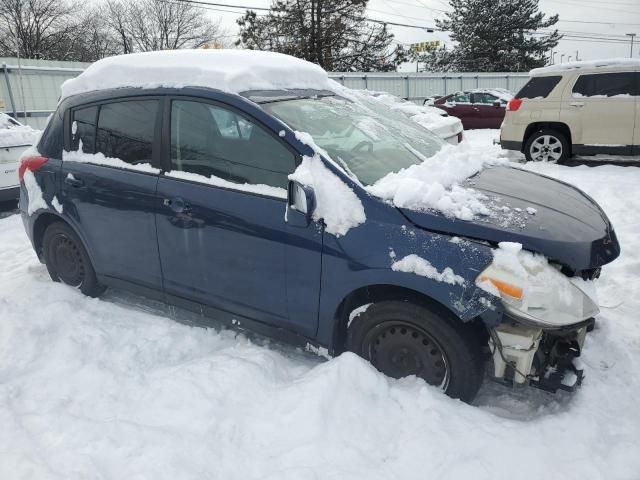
(301, 204)
(497, 103)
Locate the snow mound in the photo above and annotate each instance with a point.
(435, 184)
(587, 65)
(12, 135)
(336, 202)
(228, 70)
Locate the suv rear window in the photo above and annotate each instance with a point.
(606, 85)
(538, 87)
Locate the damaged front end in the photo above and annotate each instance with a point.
(545, 359)
(544, 322)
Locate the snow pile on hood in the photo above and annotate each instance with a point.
(422, 267)
(227, 70)
(435, 184)
(336, 202)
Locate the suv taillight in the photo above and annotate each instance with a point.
(31, 163)
(514, 104)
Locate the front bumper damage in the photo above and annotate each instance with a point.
(545, 359)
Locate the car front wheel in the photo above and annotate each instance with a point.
(402, 339)
(546, 146)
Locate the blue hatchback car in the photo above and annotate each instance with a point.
(183, 194)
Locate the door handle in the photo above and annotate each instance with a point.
(73, 181)
(178, 205)
(577, 104)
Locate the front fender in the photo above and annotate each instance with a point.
(365, 257)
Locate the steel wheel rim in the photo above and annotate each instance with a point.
(400, 349)
(67, 260)
(545, 148)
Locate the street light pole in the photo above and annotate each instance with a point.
(632, 35)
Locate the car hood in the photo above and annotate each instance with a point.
(567, 226)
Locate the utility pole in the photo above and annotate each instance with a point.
(632, 35)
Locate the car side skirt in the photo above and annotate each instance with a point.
(210, 317)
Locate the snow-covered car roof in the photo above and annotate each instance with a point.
(587, 65)
(228, 70)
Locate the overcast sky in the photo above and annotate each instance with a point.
(600, 26)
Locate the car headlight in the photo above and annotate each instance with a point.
(535, 292)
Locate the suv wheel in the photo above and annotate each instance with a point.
(67, 260)
(402, 339)
(546, 145)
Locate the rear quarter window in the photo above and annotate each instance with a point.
(539, 87)
(51, 142)
(606, 85)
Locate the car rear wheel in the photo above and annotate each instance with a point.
(546, 145)
(67, 260)
(402, 339)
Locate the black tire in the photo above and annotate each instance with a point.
(402, 338)
(552, 146)
(67, 260)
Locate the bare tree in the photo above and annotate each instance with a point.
(34, 28)
(146, 25)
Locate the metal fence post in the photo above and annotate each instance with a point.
(366, 83)
(6, 78)
(406, 78)
(507, 76)
(477, 81)
(342, 79)
(445, 85)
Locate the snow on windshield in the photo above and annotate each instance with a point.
(228, 70)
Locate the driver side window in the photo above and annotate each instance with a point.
(213, 141)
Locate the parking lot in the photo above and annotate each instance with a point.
(115, 387)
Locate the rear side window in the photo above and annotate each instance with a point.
(126, 129)
(210, 140)
(460, 97)
(83, 128)
(51, 142)
(538, 87)
(606, 85)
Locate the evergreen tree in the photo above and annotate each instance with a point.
(494, 36)
(332, 33)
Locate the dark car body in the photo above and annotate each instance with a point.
(253, 260)
(476, 108)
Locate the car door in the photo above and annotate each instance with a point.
(488, 114)
(109, 186)
(223, 237)
(459, 105)
(601, 109)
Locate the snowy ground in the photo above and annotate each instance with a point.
(114, 389)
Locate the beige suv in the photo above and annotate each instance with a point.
(581, 108)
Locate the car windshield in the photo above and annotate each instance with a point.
(366, 143)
